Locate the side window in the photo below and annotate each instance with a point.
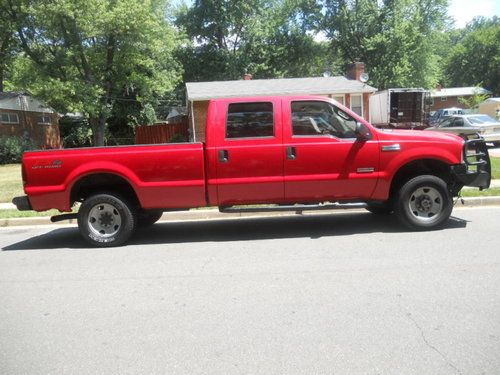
(250, 120)
(458, 122)
(317, 117)
(44, 120)
(446, 123)
(9, 118)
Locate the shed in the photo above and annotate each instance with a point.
(350, 92)
(490, 107)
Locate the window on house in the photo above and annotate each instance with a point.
(44, 120)
(338, 98)
(250, 120)
(357, 104)
(9, 118)
(444, 98)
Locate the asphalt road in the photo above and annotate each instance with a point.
(349, 293)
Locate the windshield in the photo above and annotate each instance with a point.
(481, 119)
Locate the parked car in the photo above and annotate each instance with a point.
(443, 113)
(465, 125)
(291, 153)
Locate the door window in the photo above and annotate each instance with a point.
(249, 120)
(321, 118)
(459, 122)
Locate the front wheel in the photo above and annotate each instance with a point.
(424, 203)
(106, 220)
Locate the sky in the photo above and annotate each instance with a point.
(464, 11)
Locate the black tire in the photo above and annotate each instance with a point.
(106, 220)
(423, 203)
(380, 208)
(148, 217)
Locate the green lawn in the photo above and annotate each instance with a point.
(11, 184)
(495, 168)
(13, 213)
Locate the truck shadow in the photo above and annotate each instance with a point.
(241, 229)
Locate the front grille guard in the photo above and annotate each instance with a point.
(476, 156)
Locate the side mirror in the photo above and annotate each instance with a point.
(362, 133)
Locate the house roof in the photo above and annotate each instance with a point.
(281, 86)
(11, 94)
(458, 91)
(22, 101)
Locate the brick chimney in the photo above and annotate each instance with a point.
(355, 69)
(247, 77)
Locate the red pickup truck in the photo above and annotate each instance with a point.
(284, 153)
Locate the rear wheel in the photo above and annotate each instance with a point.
(106, 220)
(424, 203)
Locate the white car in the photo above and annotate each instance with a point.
(464, 125)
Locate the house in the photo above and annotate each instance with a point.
(448, 97)
(490, 107)
(22, 115)
(349, 91)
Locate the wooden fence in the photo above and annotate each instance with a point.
(162, 133)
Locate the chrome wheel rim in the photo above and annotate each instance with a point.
(104, 220)
(426, 204)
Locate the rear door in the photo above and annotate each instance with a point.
(249, 152)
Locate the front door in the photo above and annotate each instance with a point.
(249, 153)
(323, 158)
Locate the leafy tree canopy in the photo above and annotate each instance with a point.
(475, 58)
(84, 55)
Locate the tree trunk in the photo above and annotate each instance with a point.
(1, 78)
(98, 125)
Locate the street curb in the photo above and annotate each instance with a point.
(214, 214)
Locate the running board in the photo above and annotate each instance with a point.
(293, 207)
(62, 217)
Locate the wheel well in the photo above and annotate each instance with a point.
(420, 167)
(102, 182)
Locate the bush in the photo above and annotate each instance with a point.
(12, 148)
(75, 131)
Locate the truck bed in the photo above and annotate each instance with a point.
(163, 176)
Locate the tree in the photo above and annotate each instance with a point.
(7, 44)
(85, 55)
(475, 59)
(268, 38)
(473, 101)
(393, 37)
